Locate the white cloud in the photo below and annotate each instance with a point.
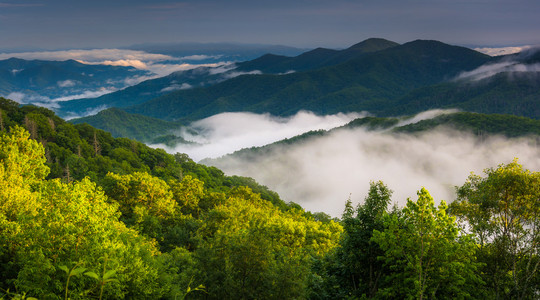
(200, 57)
(489, 70)
(23, 98)
(66, 83)
(138, 79)
(89, 112)
(175, 87)
(166, 69)
(93, 55)
(502, 50)
(51, 103)
(321, 173)
(161, 69)
(86, 94)
(141, 60)
(124, 63)
(16, 96)
(222, 69)
(34, 99)
(233, 74)
(227, 132)
(426, 115)
(288, 72)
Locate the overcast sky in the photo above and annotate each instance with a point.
(54, 24)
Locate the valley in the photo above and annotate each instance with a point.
(294, 175)
(211, 113)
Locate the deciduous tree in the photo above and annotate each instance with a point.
(502, 210)
(427, 255)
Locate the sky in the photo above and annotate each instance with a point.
(59, 24)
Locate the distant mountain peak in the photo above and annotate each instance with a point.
(373, 44)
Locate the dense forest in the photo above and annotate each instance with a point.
(84, 215)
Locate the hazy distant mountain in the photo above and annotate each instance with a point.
(374, 82)
(214, 52)
(314, 59)
(393, 81)
(204, 76)
(143, 91)
(54, 79)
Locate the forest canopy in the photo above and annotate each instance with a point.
(87, 216)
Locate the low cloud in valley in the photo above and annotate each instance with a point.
(514, 64)
(228, 132)
(496, 51)
(322, 173)
(159, 64)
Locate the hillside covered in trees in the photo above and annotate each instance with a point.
(85, 216)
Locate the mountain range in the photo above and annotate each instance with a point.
(376, 75)
(206, 76)
(39, 79)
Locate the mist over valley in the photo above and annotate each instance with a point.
(201, 102)
(284, 149)
(321, 171)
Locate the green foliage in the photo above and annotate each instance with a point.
(44, 224)
(502, 210)
(427, 256)
(73, 272)
(104, 278)
(241, 245)
(139, 195)
(121, 124)
(157, 226)
(74, 152)
(249, 249)
(354, 269)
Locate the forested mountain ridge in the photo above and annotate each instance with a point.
(55, 79)
(204, 76)
(143, 91)
(122, 124)
(84, 215)
(140, 237)
(100, 217)
(372, 82)
(314, 59)
(74, 152)
(504, 93)
(399, 80)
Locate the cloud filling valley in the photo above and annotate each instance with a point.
(322, 173)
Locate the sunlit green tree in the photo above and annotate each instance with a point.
(426, 254)
(250, 249)
(502, 209)
(49, 225)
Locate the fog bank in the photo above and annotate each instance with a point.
(322, 173)
(225, 133)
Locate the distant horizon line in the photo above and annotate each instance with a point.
(32, 48)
